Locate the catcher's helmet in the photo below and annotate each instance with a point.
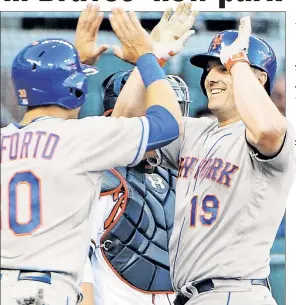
(260, 54)
(49, 72)
(111, 88)
(113, 84)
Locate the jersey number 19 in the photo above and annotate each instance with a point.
(209, 210)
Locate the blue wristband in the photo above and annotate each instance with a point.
(150, 69)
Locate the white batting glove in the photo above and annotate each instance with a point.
(238, 50)
(165, 51)
(173, 31)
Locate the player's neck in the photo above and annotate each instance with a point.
(38, 112)
(224, 122)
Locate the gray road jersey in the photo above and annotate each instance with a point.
(229, 203)
(50, 177)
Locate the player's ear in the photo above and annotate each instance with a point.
(261, 76)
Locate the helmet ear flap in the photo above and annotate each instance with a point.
(77, 87)
(76, 92)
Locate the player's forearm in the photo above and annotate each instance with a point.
(159, 92)
(255, 107)
(131, 100)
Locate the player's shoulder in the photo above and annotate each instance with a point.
(199, 124)
(9, 129)
(83, 125)
(95, 121)
(91, 119)
(85, 121)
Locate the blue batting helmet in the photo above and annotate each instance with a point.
(113, 84)
(49, 72)
(260, 54)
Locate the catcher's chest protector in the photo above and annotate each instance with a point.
(137, 232)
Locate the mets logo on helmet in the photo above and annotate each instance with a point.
(217, 41)
(22, 93)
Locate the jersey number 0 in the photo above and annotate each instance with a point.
(33, 187)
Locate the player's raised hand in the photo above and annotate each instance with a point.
(244, 33)
(173, 30)
(86, 34)
(135, 40)
(238, 50)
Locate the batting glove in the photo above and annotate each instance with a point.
(238, 50)
(165, 51)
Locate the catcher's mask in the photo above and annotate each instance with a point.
(182, 92)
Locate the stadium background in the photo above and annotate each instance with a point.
(19, 29)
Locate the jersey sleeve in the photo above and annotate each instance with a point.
(88, 273)
(284, 159)
(113, 142)
(170, 154)
(196, 127)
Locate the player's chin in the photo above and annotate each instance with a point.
(216, 100)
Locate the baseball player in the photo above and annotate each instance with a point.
(234, 175)
(133, 223)
(51, 163)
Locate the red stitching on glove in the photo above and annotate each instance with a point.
(161, 61)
